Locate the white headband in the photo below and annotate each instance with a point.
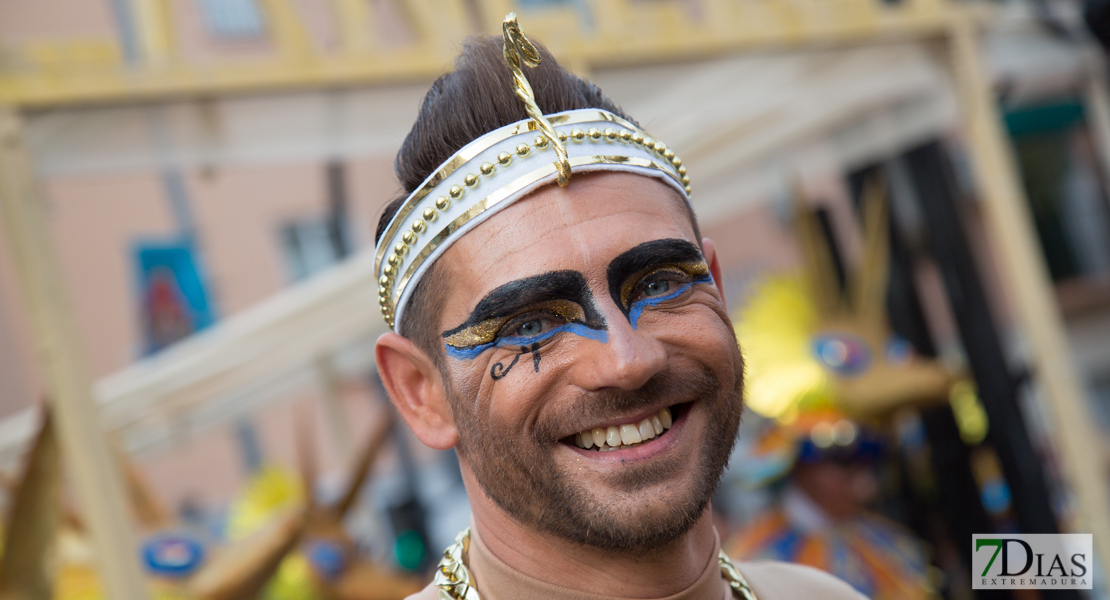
(504, 166)
(496, 170)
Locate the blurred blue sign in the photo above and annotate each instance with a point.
(172, 296)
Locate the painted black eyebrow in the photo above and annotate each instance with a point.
(644, 257)
(516, 295)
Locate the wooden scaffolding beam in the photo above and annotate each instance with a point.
(1029, 286)
(68, 383)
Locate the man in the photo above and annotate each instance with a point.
(559, 321)
(824, 465)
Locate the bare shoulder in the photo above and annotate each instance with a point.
(430, 592)
(784, 581)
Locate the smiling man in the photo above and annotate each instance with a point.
(558, 320)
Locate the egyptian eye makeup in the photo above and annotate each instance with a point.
(526, 312)
(654, 273)
(529, 311)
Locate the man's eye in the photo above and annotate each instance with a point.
(530, 328)
(658, 284)
(527, 326)
(657, 288)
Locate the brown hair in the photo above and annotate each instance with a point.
(474, 99)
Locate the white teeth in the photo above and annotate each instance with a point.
(665, 418)
(616, 436)
(613, 436)
(630, 435)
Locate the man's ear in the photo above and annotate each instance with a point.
(416, 389)
(710, 250)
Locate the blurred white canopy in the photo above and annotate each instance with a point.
(267, 353)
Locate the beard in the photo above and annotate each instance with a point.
(520, 474)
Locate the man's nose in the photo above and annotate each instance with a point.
(626, 361)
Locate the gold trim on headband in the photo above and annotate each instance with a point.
(401, 238)
(473, 149)
(505, 192)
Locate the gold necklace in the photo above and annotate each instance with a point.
(455, 582)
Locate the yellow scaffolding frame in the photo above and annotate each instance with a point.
(1030, 287)
(645, 32)
(68, 383)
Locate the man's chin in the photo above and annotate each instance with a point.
(637, 522)
(642, 507)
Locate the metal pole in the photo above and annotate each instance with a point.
(997, 388)
(335, 418)
(337, 207)
(1096, 105)
(69, 386)
(957, 502)
(1029, 286)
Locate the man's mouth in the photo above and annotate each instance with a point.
(626, 435)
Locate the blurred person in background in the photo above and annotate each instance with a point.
(827, 372)
(573, 348)
(827, 464)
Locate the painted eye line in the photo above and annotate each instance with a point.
(486, 332)
(638, 306)
(693, 269)
(579, 329)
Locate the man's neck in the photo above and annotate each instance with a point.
(659, 573)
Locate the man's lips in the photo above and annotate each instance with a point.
(627, 454)
(627, 432)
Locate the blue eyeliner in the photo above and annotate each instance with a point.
(639, 305)
(579, 329)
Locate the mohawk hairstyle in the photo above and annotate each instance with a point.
(461, 106)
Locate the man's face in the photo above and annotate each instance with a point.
(582, 315)
(842, 489)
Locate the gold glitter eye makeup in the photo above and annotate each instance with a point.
(477, 334)
(564, 311)
(665, 284)
(558, 301)
(677, 260)
(490, 330)
(665, 279)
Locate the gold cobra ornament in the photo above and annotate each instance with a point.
(519, 50)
